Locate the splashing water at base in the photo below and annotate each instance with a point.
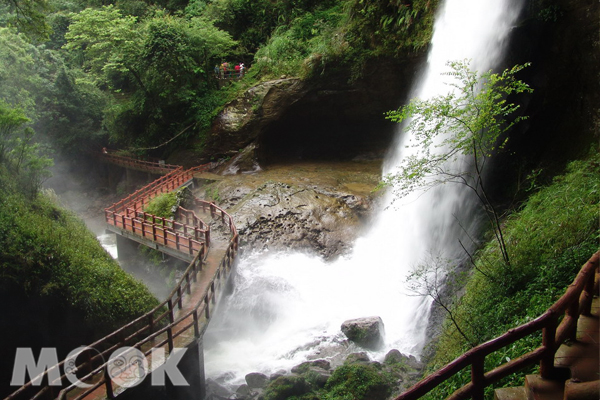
(109, 242)
(287, 308)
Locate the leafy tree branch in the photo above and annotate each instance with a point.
(469, 123)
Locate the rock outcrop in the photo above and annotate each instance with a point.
(377, 380)
(313, 208)
(243, 119)
(332, 116)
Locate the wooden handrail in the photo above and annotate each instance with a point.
(575, 302)
(129, 162)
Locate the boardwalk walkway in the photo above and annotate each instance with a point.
(145, 344)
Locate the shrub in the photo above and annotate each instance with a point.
(164, 205)
(358, 382)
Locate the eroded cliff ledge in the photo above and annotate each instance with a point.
(327, 117)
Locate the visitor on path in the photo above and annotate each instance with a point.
(225, 66)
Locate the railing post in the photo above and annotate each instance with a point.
(588, 293)
(573, 312)
(179, 297)
(189, 285)
(477, 371)
(170, 337)
(196, 326)
(108, 383)
(206, 310)
(212, 289)
(548, 342)
(171, 315)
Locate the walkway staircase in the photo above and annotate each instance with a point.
(568, 356)
(578, 363)
(180, 320)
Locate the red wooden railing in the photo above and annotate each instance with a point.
(158, 328)
(128, 215)
(165, 184)
(157, 167)
(155, 329)
(575, 302)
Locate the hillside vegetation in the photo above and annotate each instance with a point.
(549, 239)
(49, 252)
(140, 75)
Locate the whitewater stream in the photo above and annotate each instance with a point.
(286, 308)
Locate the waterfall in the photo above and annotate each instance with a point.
(288, 307)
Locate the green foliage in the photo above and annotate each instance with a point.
(29, 16)
(63, 108)
(357, 382)
(19, 78)
(105, 41)
(550, 238)
(467, 121)
(49, 253)
(19, 154)
(287, 387)
(163, 205)
(390, 26)
(310, 41)
(252, 22)
(73, 120)
(160, 70)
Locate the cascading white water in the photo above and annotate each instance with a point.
(288, 307)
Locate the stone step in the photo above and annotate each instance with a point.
(577, 390)
(538, 388)
(510, 393)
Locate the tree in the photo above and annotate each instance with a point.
(29, 16)
(105, 42)
(470, 121)
(158, 69)
(18, 152)
(436, 277)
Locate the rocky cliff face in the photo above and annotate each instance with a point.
(328, 117)
(561, 39)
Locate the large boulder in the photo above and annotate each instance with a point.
(257, 380)
(367, 332)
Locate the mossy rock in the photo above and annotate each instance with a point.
(359, 382)
(285, 387)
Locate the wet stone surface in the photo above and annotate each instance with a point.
(313, 207)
